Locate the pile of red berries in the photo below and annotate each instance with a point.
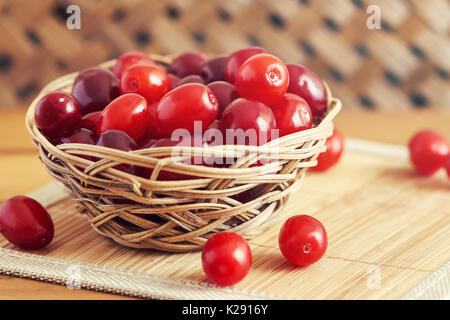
(140, 103)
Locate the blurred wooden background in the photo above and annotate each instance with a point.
(404, 65)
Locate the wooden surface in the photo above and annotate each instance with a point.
(22, 172)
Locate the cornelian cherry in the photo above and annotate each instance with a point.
(263, 78)
(25, 223)
(128, 59)
(128, 113)
(447, 166)
(191, 79)
(214, 69)
(147, 80)
(292, 114)
(226, 258)
(224, 92)
(306, 84)
(95, 88)
(327, 159)
(302, 240)
(90, 121)
(236, 59)
(186, 64)
(428, 151)
(57, 114)
(184, 105)
(248, 122)
(117, 139)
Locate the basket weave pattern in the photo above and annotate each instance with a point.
(179, 216)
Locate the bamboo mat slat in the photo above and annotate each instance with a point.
(388, 230)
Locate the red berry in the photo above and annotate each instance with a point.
(184, 105)
(214, 69)
(90, 121)
(309, 86)
(224, 92)
(428, 151)
(292, 114)
(226, 258)
(263, 78)
(173, 80)
(186, 64)
(117, 139)
(128, 113)
(327, 159)
(191, 79)
(447, 166)
(153, 129)
(149, 81)
(256, 121)
(236, 59)
(25, 223)
(83, 135)
(95, 88)
(302, 240)
(128, 59)
(57, 114)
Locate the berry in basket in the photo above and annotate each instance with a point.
(94, 89)
(162, 106)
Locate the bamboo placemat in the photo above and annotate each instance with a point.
(388, 229)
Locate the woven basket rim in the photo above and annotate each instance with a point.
(64, 82)
(194, 208)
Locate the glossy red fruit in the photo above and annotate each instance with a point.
(57, 114)
(309, 86)
(90, 121)
(236, 59)
(191, 79)
(173, 80)
(302, 240)
(25, 223)
(428, 151)
(226, 258)
(128, 59)
(185, 104)
(292, 114)
(83, 135)
(153, 130)
(117, 139)
(146, 141)
(128, 113)
(224, 92)
(256, 121)
(263, 78)
(214, 69)
(149, 81)
(447, 166)
(327, 159)
(95, 88)
(186, 64)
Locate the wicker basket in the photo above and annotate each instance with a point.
(181, 215)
